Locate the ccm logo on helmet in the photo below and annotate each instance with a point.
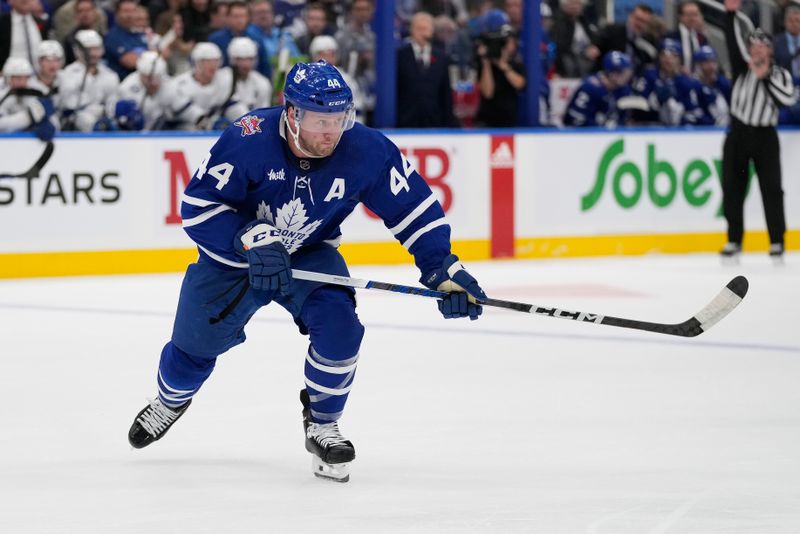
(337, 103)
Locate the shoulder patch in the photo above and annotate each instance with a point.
(250, 124)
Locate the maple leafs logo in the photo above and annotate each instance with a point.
(291, 220)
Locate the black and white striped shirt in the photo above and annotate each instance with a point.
(754, 101)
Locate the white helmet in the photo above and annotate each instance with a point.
(17, 66)
(89, 39)
(242, 47)
(321, 43)
(150, 63)
(49, 49)
(205, 50)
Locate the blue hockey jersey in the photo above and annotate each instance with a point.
(593, 104)
(250, 174)
(673, 101)
(715, 102)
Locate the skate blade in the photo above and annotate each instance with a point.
(334, 472)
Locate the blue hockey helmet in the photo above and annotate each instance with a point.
(704, 53)
(616, 61)
(322, 103)
(673, 46)
(317, 87)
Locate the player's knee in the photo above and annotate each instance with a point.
(333, 325)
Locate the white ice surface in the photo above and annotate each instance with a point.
(513, 423)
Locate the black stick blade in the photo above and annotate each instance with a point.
(739, 286)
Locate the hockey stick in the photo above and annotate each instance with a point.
(727, 299)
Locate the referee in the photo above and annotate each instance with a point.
(759, 89)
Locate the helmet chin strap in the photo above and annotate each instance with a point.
(296, 137)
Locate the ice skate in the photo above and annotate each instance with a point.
(331, 452)
(153, 422)
(730, 254)
(776, 253)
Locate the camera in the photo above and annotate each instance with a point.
(496, 41)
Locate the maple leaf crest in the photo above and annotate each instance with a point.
(292, 218)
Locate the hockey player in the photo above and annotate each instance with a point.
(715, 88)
(253, 90)
(203, 98)
(141, 101)
(672, 96)
(270, 196)
(23, 108)
(50, 56)
(87, 86)
(594, 103)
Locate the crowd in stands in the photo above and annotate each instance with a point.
(89, 65)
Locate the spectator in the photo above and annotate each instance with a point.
(455, 9)
(19, 32)
(124, 42)
(689, 32)
(315, 23)
(86, 87)
(574, 36)
(218, 14)
(501, 76)
(424, 98)
(513, 9)
(671, 95)
(456, 44)
(253, 90)
(197, 20)
(50, 58)
(288, 16)
(68, 17)
(86, 18)
(715, 88)
(324, 48)
(632, 37)
(357, 49)
(141, 101)
(176, 49)
(238, 20)
(19, 110)
(203, 99)
(594, 103)
(787, 44)
(263, 29)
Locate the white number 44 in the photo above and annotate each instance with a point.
(398, 182)
(221, 172)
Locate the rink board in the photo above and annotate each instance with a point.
(110, 203)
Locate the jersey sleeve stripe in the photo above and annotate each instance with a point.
(205, 216)
(414, 215)
(425, 229)
(224, 261)
(199, 202)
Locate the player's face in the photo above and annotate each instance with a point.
(244, 65)
(328, 55)
(669, 61)
(320, 132)
(49, 66)
(620, 78)
(18, 82)
(708, 68)
(94, 55)
(151, 82)
(206, 69)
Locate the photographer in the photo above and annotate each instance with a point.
(500, 73)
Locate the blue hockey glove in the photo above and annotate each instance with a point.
(45, 130)
(270, 266)
(462, 286)
(104, 125)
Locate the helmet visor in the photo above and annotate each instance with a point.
(328, 123)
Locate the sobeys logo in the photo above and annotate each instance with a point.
(662, 179)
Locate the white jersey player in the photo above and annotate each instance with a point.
(50, 57)
(21, 107)
(324, 47)
(86, 86)
(141, 100)
(253, 89)
(203, 98)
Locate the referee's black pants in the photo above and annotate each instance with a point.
(759, 144)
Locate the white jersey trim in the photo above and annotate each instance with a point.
(224, 261)
(199, 202)
(414, 215)
(203, 217)
(424, 230)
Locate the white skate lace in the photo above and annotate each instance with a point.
(157, 418)
(326, 435)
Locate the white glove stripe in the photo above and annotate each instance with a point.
(453, 269)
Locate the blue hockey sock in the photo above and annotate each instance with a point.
(180, 375)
